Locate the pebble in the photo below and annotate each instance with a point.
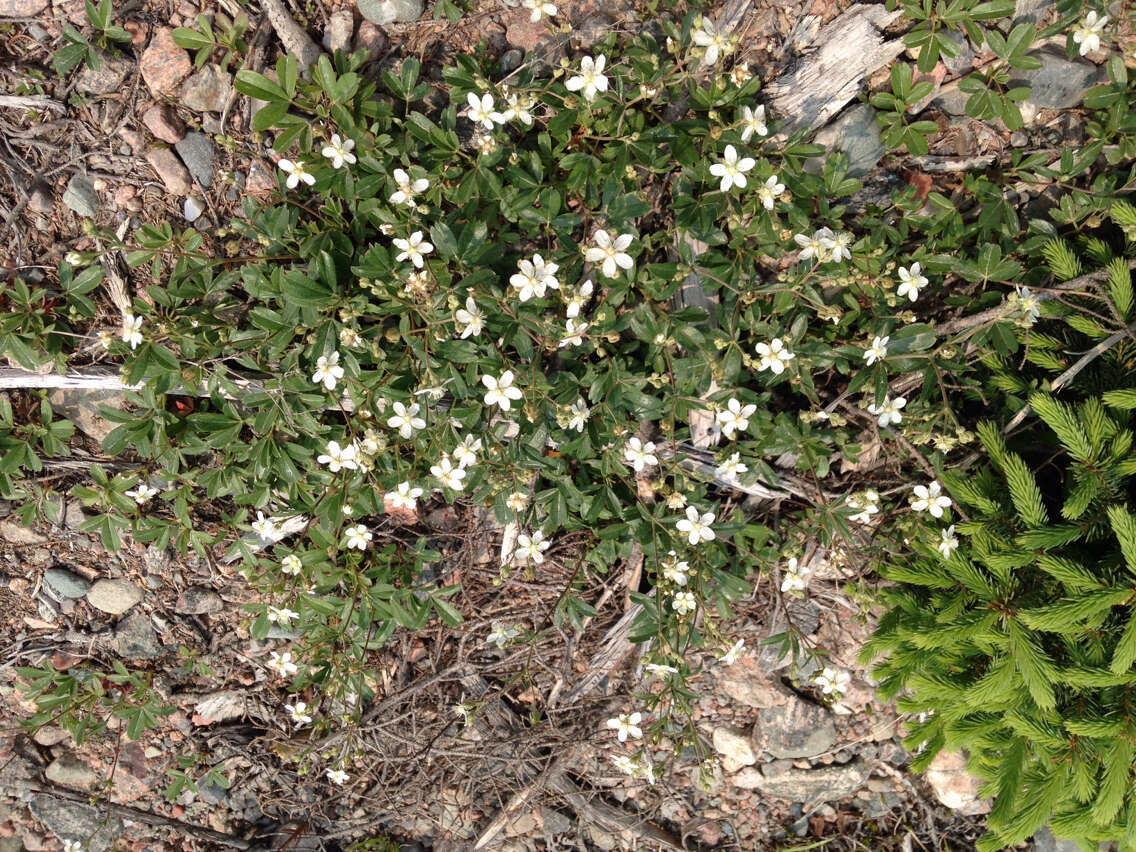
(371, 39)
(68, 771)
(857, 135)
(111, 73)
(21, 8)
(114, 597)
(208, 90)
(163, 63)
(81, 407)
(827, 784)
(511, 60)
(123, 194)
(174, 175)
(71, 819)
(50, 735)
(196, 152)
(164, 122)
(81, 197)
(14, 533)
(340, 27)
(383, 12)
(135, 639)
(795, 729)
(192, 209)
(735, 748)
(953, 785)
(198, 600)
(62, 585)
(1059, 83)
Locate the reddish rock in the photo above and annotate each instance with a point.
(370, 38)
(21, 8)
(521, 32)
(133, 138)
(954, 786)
(169, 168)
(260, 179)
(139, 32)
(164, 122)
(164, 64)
(123, 195)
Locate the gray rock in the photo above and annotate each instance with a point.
(962, 63)
(198, 600)
(1046, 841)
(511, 60)
(196, 151)
(1031, 11)
(81, 196)
(114, 596)
(68, 771)
(554, 821)
(390, 11)
(41, 200)
(11, 844)
(952, 101)
(135, 639)
(207, 90)
(824, 784)
(735, 748)
(340, 28)
(21, 8)
(192, 209)
(794, 729)
(856, 134)
(74, 821)
(81, 407)
(1059, 83)
(63, 585)
(108, 78)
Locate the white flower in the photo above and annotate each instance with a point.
(337, 776)
(577, 302)
(877, 351)
(349, 337)
(888, 410)
(405, 419)
(131, 330)
(774, 356)
(338, 457)
(866, 504)
(73, 846)
(358, 536)
(683, 603)
(1088, 34)
(716, 43)
(911, 282)
(265, 527)
(450, 476)
(520, 107)
(407, 188)
(502, 634)
(731, 467)
(466, 451)
(697, 526)
(591, 77)
(949, 543)
(640, 455)
(731, 656)
(625, 764)
(291, 565)
(574, 331)
(534, 277)
(540, 8)
(735, 417)
(281, 615)
(404, 496)
(296, 173)
(517, 501)
(674, 570)
(753, 121)
(484, 143)
(831, 681)
(611, 253)
(769, 191)
(626, 725)
(930, 498)
(413, 249)
(812, 247)
(464, 712)
(142, 493)
(299, 713)
(732, 170)
(580, 412)
(1028, 303)
(328, 371)
(481, 111)
(531, 547)
(282, 664)
(501, 391)
(659, 669)
(470, 318)
(794, 579)
(339, 151)
(836, 246)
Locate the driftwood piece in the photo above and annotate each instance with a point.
(850, 47)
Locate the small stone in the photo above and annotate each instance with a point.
(114, 597)
(511, 60)
(196, 152)
(1059, 83)
(71, 819)
(133, 138)
(21, 8)
(164, 122)
(340, 26)
(38, 33)
(954, 786)
(383, 12)
(962, 63)
(111, 73)
(1019, 139)
(1045, 841)
(68, 771)
(261, 181)
(50, 735)
(135, 639)
(371, 39)
(174, 175)
(41, 200)
(81, 197)
(81, 407)
(14, 533)
(163, 63)
(198, 600)
(734, 746)
(520, 31)
(62, 585)
(139, 32)
(857, 135)
(208, 90)
(826, 784)
(951, 100)
(193, 208)
(795, 729)
(1031, 11)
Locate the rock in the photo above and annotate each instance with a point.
(856, 134)
(81, 407)
(164, 122)
(554, 821)
(50, 735)
(521, 33)
(220, 707)
(196, 151)
(208, 90)
(14, 533)
(954, 786)
(749, 684)
(68, 771)
(340, 26)
(1046, 841)
(163, 63)
(794, 729)
(1059, 83)
(41, 200)
(383, 12)
(1031, 11)
(951, 100)
(198, 600)
(174, 175)
(735, 748)
(124, 195)
(962, 63)
(135, 639)
(109, 77)
(511, 60)
(62, 585)
(81, 197)
(260, 179)
(21, 8)
(521, 825)
(74, 821)
(193, 209)
(114, 597)
(371, 39)
(825, 784)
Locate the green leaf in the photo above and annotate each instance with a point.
(260, 87)
(301, 290)
(191, 39)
